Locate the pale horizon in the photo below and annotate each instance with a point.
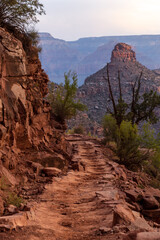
(74, 19)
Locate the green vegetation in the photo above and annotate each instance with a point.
(76, 130)
(13, 199)
(141, 106)
(62, 98)
(79, 129)
(135, 149)
(127, 141)
(17, 15)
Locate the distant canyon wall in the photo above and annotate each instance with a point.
(88, 55)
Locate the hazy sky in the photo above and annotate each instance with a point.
(73, 19)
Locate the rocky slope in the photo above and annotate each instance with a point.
(99, 200)
(88, 55)
(94, 93)
(27, 131)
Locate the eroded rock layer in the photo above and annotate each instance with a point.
(27, 129)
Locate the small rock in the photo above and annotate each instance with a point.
(5, 227)
(24, 207)
(37, 167)
(11, 209)
(122, 214)
(104, 230)
(51, 171)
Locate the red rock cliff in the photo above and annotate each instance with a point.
(24, 114)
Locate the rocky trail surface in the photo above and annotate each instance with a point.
(86, 203)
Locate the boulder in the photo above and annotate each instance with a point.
(12, 180)
(153, 192)
(153, 214)
(18, 219)
(139, 224)
(123, 215)
(11, 209)
(149, 202)
(135, 195)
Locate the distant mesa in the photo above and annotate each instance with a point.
(123, 52)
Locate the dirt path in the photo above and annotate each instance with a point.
(79, 205)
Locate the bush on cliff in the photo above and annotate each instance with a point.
(18, 15)
(62, 98)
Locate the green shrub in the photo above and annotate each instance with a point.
(110, 128)
(14, 199)
(79, 130)
(70, 131)
(89, 134)
(148, 137)
(62, 99)
(127, 142)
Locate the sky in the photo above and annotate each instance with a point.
(74, 19)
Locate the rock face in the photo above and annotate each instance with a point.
(25, 120)
(24, 115)
(95, 94)
(123, 52)
(27, 129)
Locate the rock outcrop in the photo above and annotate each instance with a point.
(26, 126)
(95, 94)
(24, 115)
(123, 52)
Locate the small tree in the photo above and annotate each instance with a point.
(19, 13)
(17, 16)
(62, 99)
(127, 141)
